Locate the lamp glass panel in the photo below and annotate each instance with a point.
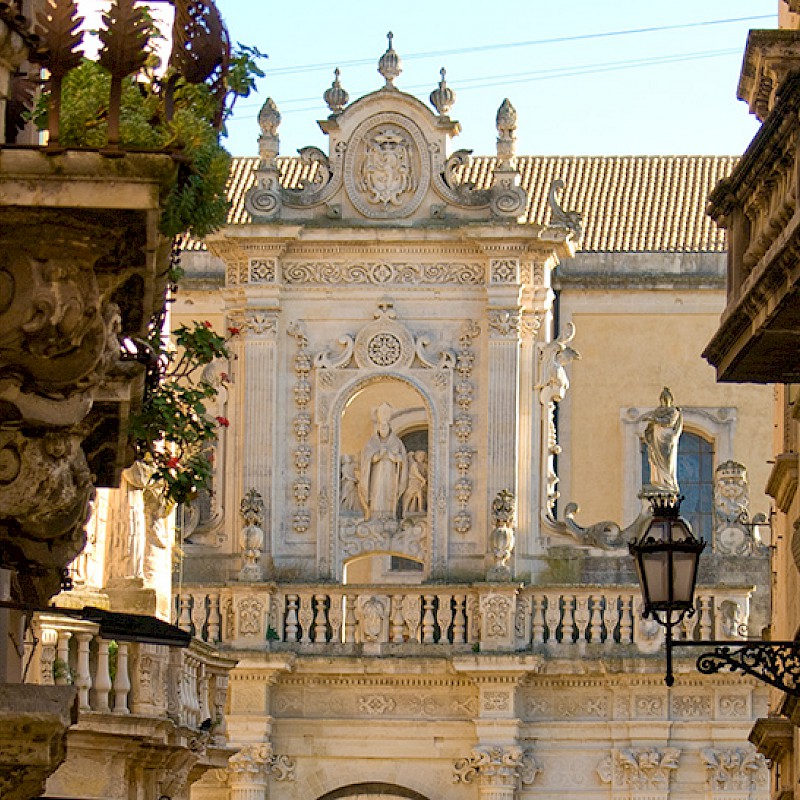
(684, 566)
(655, 572)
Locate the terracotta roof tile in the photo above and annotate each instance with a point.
(629, 203)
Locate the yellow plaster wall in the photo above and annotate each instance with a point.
(635, 345)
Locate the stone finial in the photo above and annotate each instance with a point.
(335, 97)
(269, 118)
(389, 64)
(506, 131)
(443, 98)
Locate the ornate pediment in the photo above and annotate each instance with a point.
(388, 160)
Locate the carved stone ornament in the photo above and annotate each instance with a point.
(497, 766)
(572, 220)
(252, 536)
(734, 769)
(732, 523)
(642, 769)
(501, 539)
(335, 97)
(254, 763)
(387, 168)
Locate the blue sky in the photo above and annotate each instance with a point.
(666, 91)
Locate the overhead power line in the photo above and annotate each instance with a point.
(488, 81)
(292, 70)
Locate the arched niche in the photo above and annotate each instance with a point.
(413, 407)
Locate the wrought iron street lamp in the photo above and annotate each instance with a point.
(667, 557)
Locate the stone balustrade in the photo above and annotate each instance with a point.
(185, 685)
(490, 617)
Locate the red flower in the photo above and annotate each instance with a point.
(223, 376)
(173, 462)
(207, 324)
(224, 421)
(234, 331)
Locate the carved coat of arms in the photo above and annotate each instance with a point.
(386, 172)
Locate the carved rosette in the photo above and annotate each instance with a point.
(500, 770)
(301, 488)
(464, 454)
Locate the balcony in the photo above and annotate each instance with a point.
(145, 706)
(445, 619)
(759, 334)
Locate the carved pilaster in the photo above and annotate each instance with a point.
(257, 349)
(301, 487)
(504, 329)
(500, 770)
(463, 425)
(251, 768)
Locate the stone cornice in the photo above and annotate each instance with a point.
(782, 481)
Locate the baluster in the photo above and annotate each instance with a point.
(538, 619)
(62, 674)
(553, 617)
(122, 681)
(350, 618)
(459, 619)
(320, 623)
(102, 681)
(568, 623)
(291, 617)
(612, 617)
(83, 680)
(305, 616)
(445, 617)
(411, 615)
(581, 616)
(335, 617)
(199, 613)
(49, 637)
(396, 619)
(427, 619)
(596, 622)
(473, 612)
(185, 614)
(626, 621)
(203, 711)
(214, 620)
(706, 617)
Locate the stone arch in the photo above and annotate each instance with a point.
(421, 384)
(373, 791)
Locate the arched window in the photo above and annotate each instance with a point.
(696, 480)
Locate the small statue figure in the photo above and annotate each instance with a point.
(252, 536)
(384, 473)
(501, 539)
(416, 493)
(348, 486)
(664, 427)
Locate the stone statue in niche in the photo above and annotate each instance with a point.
(415, 497)
(384, 469)
(664, 428)
(348, 487)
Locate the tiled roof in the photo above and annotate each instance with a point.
(629, 203)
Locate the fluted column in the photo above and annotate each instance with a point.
(504, 324)
(255, 349)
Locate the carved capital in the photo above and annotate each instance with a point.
(642, 769)
(254, 763)
(498, 767)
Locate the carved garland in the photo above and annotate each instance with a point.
(464, 454)
(301, 518)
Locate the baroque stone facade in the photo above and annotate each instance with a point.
(417, 605)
